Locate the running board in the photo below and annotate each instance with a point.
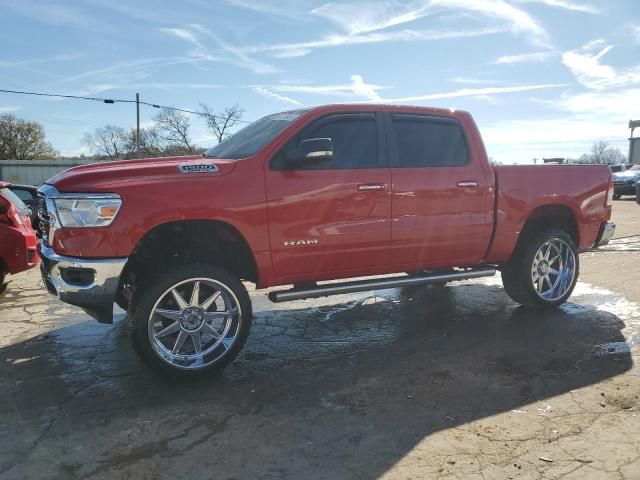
(376, 284)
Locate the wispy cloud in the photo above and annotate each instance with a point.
(126, 72)
(568, 129)
(297, 49)
(269, 94)
(289, 9)
(535, 57)
(357, 88)
(65, 14)
(472, 92)
(586, 65)
(9, 109)
(472, 81)
(567, 5)
(363, 16)
(364, 22)
(519, 21)
(221, 52)
(26, 62)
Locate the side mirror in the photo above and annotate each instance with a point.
(316, 150)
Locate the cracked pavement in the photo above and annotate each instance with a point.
(431, 382)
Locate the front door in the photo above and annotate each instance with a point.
(331, 218)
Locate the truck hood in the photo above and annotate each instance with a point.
(103, 176)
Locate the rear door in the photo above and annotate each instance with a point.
(440, 194)
(332, 218)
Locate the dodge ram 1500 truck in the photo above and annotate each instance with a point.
(300, 198)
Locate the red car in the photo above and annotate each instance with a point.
(302, 197)
(17, 239)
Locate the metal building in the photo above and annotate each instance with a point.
(34, 172)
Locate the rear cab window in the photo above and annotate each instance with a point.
(428, 141)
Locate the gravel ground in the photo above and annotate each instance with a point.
(452, 382)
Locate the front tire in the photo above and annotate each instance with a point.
(543, 270)
(193, 319)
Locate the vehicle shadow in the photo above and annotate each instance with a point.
(341, 388)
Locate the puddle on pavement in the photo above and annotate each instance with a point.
(310, 331)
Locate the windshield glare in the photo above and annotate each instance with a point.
(252, 138)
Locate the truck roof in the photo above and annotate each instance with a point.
(382, 107)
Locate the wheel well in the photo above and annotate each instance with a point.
(202, 241)
(552, 216)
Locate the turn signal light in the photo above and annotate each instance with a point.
(108, 211)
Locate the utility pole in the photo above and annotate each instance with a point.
(138, 125)
(633, 142)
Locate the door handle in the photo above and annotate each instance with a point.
(372, 186)
(469, 184)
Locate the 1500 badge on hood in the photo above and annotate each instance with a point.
(198, 168)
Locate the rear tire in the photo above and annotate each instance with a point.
(191, 320)
(543, 270)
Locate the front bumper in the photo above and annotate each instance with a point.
(89, 284)
(606, 233)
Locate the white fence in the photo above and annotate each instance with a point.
(34, 172)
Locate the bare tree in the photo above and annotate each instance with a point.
(173, 128)
(221, 123)
(602, 153)
(109, 141)
(151, 143)
(23, 140)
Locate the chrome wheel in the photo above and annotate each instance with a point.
(553, 269)
(194, 323)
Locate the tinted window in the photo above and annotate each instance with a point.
(22, 194)
(429, 142)
(354, 138)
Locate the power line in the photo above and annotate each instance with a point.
(114, 100)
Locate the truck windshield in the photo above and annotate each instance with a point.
(253, 137)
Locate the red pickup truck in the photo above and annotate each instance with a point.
(300, 198)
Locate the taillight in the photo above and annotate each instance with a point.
(609, 202)
(9, 215)
(5, 206)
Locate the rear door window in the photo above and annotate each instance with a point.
(424, 141)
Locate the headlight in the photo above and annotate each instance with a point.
(97, 210)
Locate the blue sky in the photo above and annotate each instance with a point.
(542, 77)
